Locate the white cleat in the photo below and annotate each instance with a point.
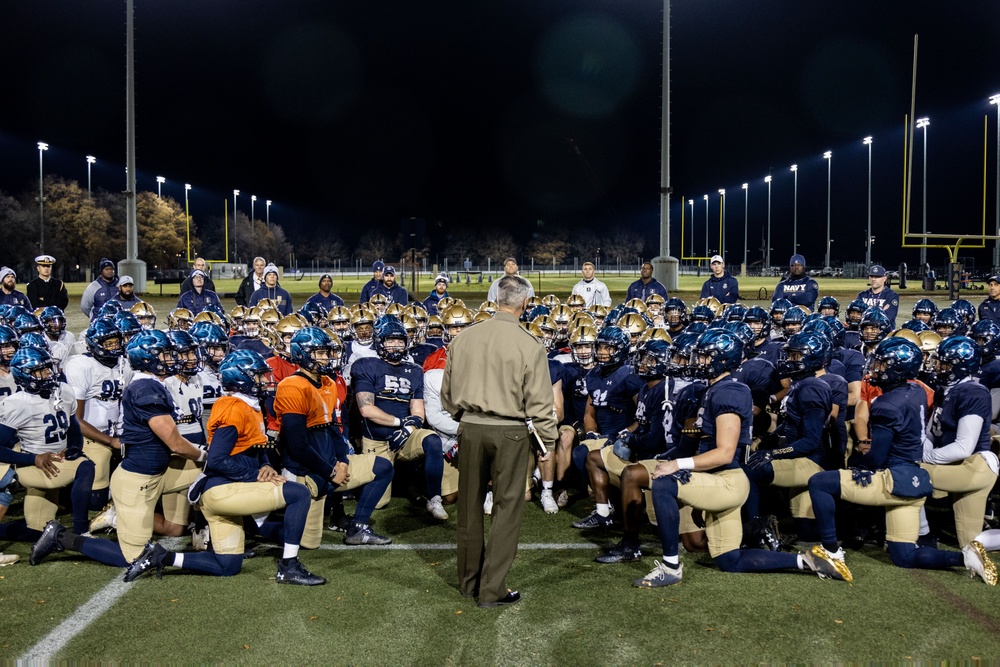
(548, 502)
(107, 519)
(562, 500)
(8, 559)
(436, 509)
(979, 563)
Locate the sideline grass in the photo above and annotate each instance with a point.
(403, 607)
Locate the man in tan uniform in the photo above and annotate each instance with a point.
(492, 404)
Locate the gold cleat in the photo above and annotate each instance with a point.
(979, 564)
(827, 565)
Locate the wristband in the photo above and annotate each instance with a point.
(202, 455)
(396, 423)
(686, 463)
(864, 442)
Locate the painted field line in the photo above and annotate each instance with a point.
(444, 546)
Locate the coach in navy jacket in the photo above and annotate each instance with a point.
(646, 286)
(721, 284)
(798, 288)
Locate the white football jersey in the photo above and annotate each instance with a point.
(41, 423)
(188, 397)
(101, 387)
(211, 387)
(7, 385)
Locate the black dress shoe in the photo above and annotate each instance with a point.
(512, 597)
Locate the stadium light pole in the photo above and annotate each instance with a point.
(90, 160)
(867, 141)
(722, 230)
(795, 210)
(705, 197)
(691, 201)
(236, 241)
(828, 156)
(160, 180)
(923, 123)
(253, 200)
(42, 147)
(268, 213)
(746, 218)
(767, 179)
(996, 247)
(187, 218)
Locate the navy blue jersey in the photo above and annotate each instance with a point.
(677, 410)
(436, 341)
(769, 350)
(394, 387)
(726, 289)
(255, 344)
(143, 399)
(611, 396)
(989, 309)
(989, 375)
(640, 290)
(838, 431)
(761, 376)
(965, 398)
(648, 439)
(900, 415)
(854, 363)
(555, 371)
(852, 340)
(807, 407)
(727, 396)
(327, 302)
(887, 301)
(574, 393)
(420, 352)
(395, 294)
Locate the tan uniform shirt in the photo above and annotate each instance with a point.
(498, 373)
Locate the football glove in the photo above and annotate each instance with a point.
(682, 476)
(861, 477)
(413, 422)
(397, 439)
(593, 435)
(760, 459)
(621, 447)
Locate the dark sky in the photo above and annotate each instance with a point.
(351, 114)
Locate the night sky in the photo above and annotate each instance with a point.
(352, 115)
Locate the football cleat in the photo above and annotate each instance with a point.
(620, 554)
(200, 538)
(152, 558)
(595, 520)
(339, 523)
(766, 529)
(979, 562)
(662, 575)
(292, 571)
(548, 502)
(8, 559)
(48, 543)
(562, 500)
(107, 519)
(361, 533)
(828, 565)
(488, 503)
(436, 509)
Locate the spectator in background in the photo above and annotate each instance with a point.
(199, 265)
(199, 296)
(251, 283)
(126, 293)
(721, 284)
(103, 289)
(325, 297)
(440, 292)
(273, 291)
(989, 309)
(646, 286)
(797, 287)
(376, 281)
(509, 269)
(395, 293)
(593, 291)
(9, 296)
(43, 291)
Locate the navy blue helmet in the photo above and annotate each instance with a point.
(916, 326)
(875, 326)
(104, 341)
(675, 312)
(128, 324)
(27, 323)
(966, 310)
(391, 329)
(805, 353)
(948, 322)
(246, 372)
(838, 330)
(150, 351)
(956, 357)
(757, 315)
(34, 370)
(986, 333)
(618, 341)
(894, 361)
(828, 303)
(702, 314)
(10, 342)
(925, 307)
(742, 331)
(189, 358)
(653, 360)
(306, 342)
(855, 311)
(716, 352)
(735, 313)
(680, 355)
(792, 321)
(214, 341)
(54, 321)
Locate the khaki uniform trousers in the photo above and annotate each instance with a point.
(41, 500)
(969, 482)
(902, 515)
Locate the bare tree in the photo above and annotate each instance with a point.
(374, 245)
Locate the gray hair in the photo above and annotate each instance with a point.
(512, 291)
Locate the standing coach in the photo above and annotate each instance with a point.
(797, 287)
(479, 389)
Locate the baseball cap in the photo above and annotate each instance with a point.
(378, 265)
(993, 279)
(797, 259)
(127, 280)
(389, 271)
(196, 272)
(717, 258)
(45, 260)
(441, 278)
(877, 271)
(7, 271)
(270, 268)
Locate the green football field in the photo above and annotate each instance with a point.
(400, 605)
